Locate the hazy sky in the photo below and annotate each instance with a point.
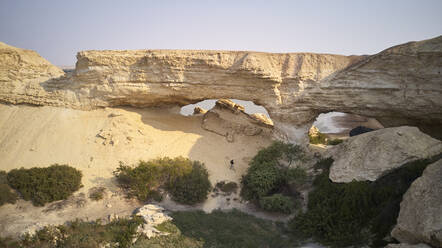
(59, 29)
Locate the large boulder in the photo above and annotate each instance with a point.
(371, 155)
(420, 216)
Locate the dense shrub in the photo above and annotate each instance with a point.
(266, 174)
(192, 187)
(43, 185)
(261, 180)
(144, 180)
(356, 213)
(277, 203)
(296, 175)
(7, 195)
(186, 180)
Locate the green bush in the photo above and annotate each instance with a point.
(266, 175)
(43, 185)
(7, 195)
(193, 187)
(145, 180)
(355, 213)
(261, 180)
(277, 203)
(186, 180)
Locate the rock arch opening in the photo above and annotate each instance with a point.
(249, 107)
(333, 127)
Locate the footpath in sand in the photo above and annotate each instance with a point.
(95, 141)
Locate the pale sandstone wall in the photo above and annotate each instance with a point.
(401, 85)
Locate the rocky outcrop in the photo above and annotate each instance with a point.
(228, 119)
(401, 85)
(371, 155)
(153, 216)
(420, 216)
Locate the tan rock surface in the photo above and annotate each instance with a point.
(371, 155)
(420, 216)
(228, 119)
(401, 85)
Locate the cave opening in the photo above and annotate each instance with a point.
(333, 127)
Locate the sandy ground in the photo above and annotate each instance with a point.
(95, 142)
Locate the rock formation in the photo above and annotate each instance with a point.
(371, 155)
(420, 216)
(401, 85)
(229, 119)
(152, 215)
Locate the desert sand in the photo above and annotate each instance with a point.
(95, 141)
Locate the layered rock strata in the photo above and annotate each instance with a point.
(401, 85)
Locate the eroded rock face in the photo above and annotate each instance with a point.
(228, 119)
(369, 156)
(401, 85)
(420, 216)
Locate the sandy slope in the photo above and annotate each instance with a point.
(95, 142)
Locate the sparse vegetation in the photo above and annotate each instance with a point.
(186, 180)
(226, 187)
(277, 203)
(96, 193)
(7, 195)
(356, 213)
(43, 185)
(333, 142)
(175, 239)
(231, 229)
(268, 175)
(78, 233)
(194, 229)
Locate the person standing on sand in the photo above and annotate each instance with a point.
(231, 164)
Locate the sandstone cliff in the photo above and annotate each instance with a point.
(401, 85)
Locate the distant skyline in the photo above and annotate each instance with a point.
(57, 30)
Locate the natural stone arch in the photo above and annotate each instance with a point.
(294, 87)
